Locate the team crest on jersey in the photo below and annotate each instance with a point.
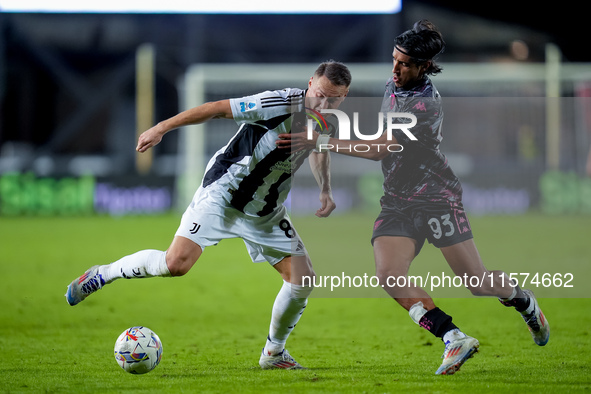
(246, 106)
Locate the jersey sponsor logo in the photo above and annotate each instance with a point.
(284, 166)
(257, 178)
(246, 106)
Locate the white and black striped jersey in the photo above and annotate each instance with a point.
(250, 172)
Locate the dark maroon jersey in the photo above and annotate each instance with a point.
(420, 172)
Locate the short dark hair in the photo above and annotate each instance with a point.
(422, 43)
(336, 72)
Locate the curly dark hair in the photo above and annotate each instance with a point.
(422, 43)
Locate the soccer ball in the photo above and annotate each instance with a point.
(138, 350)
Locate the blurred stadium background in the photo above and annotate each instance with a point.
(76, 86)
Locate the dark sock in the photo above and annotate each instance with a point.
(520, 301)
(437, 322)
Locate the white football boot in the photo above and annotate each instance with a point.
(282, 360)
(84, 286)
(456, 353)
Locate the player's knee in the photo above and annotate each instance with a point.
(387, 276)
(309, 279)
(181, 256)
(296, 270)
(304, 278)
(179, 265)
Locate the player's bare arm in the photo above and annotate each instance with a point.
(320, 165)
(200, 114)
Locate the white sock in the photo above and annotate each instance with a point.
(513, 294)
(417, 311)
(143, 264)
(287, 310)
(453, 335)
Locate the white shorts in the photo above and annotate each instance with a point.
(209, 219)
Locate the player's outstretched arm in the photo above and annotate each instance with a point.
(201, 114)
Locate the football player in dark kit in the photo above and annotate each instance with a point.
(423, 201)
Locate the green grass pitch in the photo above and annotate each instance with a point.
(213, 322)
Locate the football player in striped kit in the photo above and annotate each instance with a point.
(241, 196)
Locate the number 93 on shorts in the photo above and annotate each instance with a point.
(441, 224)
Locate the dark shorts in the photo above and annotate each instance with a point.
(442, 224)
